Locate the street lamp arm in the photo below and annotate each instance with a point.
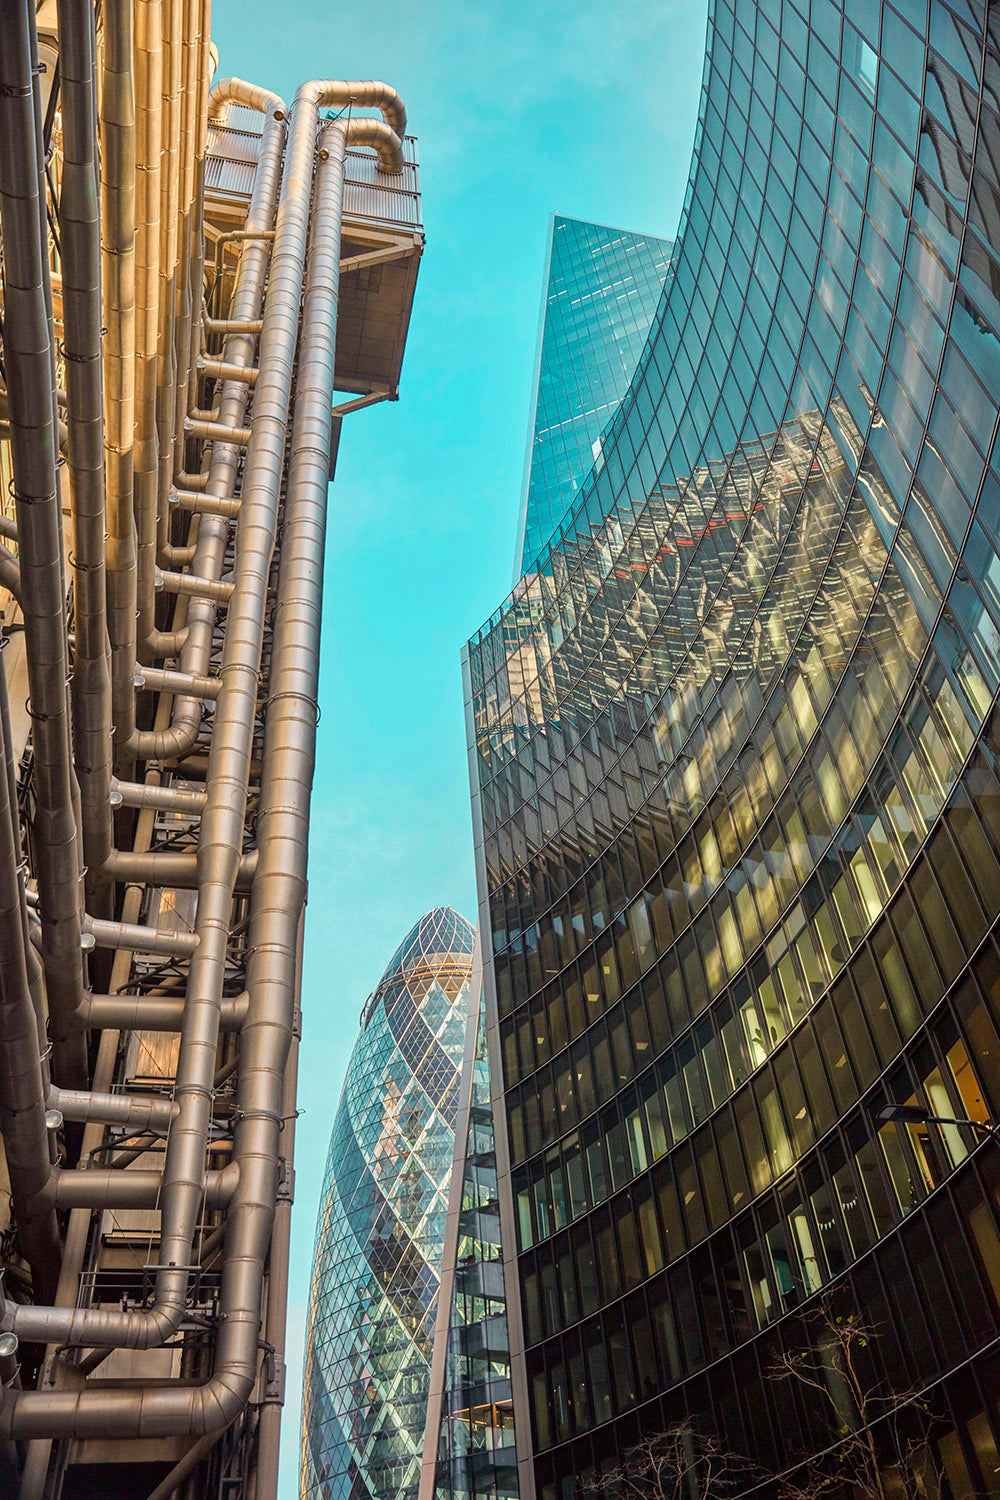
(916, 1114)
(984, 1126)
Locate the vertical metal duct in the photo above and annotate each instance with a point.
(34, 445)
(22, 1084)
(149, 111)
(213, 531)
(279, 887)
(81, 282)
(118, 238)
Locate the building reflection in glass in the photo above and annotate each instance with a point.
(737, 804)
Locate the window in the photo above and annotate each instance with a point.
(828, 1228)
(906, 1183)
(760, 1286)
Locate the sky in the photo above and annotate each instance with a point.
(521, 108)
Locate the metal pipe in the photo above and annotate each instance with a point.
(80, 231)
(139, 939)
(278, 898)
(218, 369)
(233, 325)
(188, 286)
(222, 824)
(22, 1084)
(34, 968)
(197, 482)
(140, 1110)
(149, 88)
(238, 91)
(217, 432)
(212, 1242)
(169, 798)
(178, 556)
(100, 1188)
(28, 353)
(218, 589)
(209, 505)
(10, 1372)
(170, 220)
(10, 572)
(279, 889)
(160, 680)
(289, 759)
(213, 532)
(79, 1223)
(155, 1012)
(272, 1397)
(390, 150)
(54, 1122)
(196, 279)
(176, 869)
(118, 242)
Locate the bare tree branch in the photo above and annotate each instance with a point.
(831, 1361)
(680, 1463)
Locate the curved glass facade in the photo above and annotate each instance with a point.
(380, 1237)
(735, 780)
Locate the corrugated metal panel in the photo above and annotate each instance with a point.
(381, 203)
(370, 193)
(241, 145)
(362, 166)
(239, 117)
(225, 176)
(375, 300)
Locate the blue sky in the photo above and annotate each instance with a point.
(520, 109)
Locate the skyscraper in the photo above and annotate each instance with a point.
(381, 1235)
(602, 287)
(470, 1450)
(737, 798)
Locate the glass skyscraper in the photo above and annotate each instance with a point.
(469, 1445)
(736, 791)
(381, 1233)
(602, 287)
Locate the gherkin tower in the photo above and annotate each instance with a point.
(380, 1237)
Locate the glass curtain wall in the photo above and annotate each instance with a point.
(476, 1457)
(380, 1236)
(602, 287)
(736, 788)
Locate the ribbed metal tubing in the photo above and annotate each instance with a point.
(80, 228)
(28, 345)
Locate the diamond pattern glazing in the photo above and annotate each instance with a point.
(380, 1236)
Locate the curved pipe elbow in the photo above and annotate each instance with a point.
(387, 142)
(88, 1325)
(163, 643)
(165, 744)
(238, 91)
(371, 93)
(10, 573)
(144, 1411)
